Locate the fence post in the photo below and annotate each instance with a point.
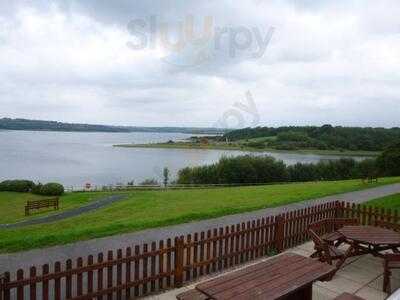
(279, 233)
(1, 286)
(179, 249)
(338, 210)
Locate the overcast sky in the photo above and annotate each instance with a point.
(192, 63)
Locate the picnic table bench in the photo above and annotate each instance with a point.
(43, 203)
(286, 276)
(368, 240)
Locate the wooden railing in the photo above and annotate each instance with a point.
(153, 267)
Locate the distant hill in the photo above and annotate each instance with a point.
(325, 137)
(40, 125)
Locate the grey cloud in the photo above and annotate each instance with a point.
(327, 61)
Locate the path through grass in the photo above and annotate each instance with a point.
(12, 205)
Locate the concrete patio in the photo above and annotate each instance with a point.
(361, 276)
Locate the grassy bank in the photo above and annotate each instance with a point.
(242, 147)
(12, 205)
(149, 209)
(392, 202)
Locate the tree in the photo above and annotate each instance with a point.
(389, 161)
(149, 181)
(166, 176)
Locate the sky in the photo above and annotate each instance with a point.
(201, 63)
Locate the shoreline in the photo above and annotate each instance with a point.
(191, 146)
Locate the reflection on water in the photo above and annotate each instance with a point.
(76, 158)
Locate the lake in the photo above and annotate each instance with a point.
(76, 158)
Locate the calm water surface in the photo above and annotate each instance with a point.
(77, 158)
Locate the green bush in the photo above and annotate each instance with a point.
(20, 186)
(37, 188)
(240, 169)
(258, 145)
(265, 169)
(150, 181)
(389, 161)
(52, 189)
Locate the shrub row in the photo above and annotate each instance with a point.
(25, 186)
(265, 169)
(21, 186)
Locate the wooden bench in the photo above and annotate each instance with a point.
(370, 179)
(391, 262)
(43, 203)
(347, 296)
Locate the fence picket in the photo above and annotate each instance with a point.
(57, 281)
(100, 276)
(226, 250)
(119, 273)
(257, 238)
(237, 244)
(144, 270)
(68, 280)
(252, 239)
(208, 251)
(20, 289)
(188, 252)
(195, 254)
(128, 270)
(6, 291)
(153, 267)
(90, 275)
(169, 263)
(45, 283)
(136, 271)
(160, 264)
(32, 286)
(79, 277)
(202, 253)
(214, 250)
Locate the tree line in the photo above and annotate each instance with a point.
(265, 169)
(40, 125)
(326, 137)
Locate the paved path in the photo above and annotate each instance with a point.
(68, 213)
(84, 248)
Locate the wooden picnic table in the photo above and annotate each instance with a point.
(286, 276)
(368, 240)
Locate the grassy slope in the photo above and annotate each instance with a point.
(392, 202)
(12, 205)
(148, 209)
(241, 147)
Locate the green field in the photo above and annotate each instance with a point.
(12, 205)
(392, 202)
(149, 209)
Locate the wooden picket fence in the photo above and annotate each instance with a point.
(150, 268)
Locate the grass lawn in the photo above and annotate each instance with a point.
(12, 205)
(392, 202)
(148, 209)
